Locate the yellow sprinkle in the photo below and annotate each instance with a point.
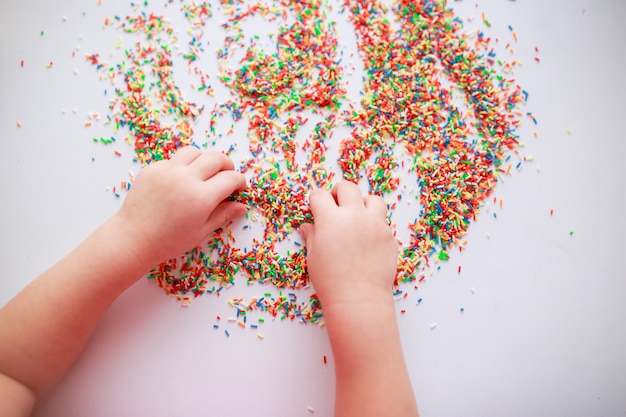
(569, 131)
(259, 335)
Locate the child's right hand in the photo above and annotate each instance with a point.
(352, 254)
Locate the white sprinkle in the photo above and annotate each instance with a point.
(310, 409)
(488, 235)
(433, 326)
(472, 290)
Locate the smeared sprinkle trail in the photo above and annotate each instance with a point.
(434, 127)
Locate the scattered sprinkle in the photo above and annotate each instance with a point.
(407, 124)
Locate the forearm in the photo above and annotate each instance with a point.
(173, 206)
(371, 374)
(45, 327)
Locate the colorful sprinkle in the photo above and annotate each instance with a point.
(408, 124)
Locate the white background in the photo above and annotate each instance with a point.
(543, 333)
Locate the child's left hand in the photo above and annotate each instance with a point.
(174, 204)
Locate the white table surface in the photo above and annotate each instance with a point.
(543, 333)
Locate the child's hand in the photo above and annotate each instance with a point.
(351, 252)
(174, 204)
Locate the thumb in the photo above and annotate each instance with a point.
(222, 214)
(306, 231)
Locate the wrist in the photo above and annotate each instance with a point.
(357, 296)
(126, 247)
(363, 303)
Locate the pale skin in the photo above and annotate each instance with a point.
(41, 334)
(352, 257)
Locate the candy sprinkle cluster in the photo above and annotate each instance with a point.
(436, 105)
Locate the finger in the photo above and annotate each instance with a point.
(210, 163)
(376, 204)
(223, 184)
(186, 155)
(321, 201)
(306, 231)
(222, 214)
(347, 194)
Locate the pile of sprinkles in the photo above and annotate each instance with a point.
(436, 105)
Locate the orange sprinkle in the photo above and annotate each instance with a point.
(19, 124)
(87, 124)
